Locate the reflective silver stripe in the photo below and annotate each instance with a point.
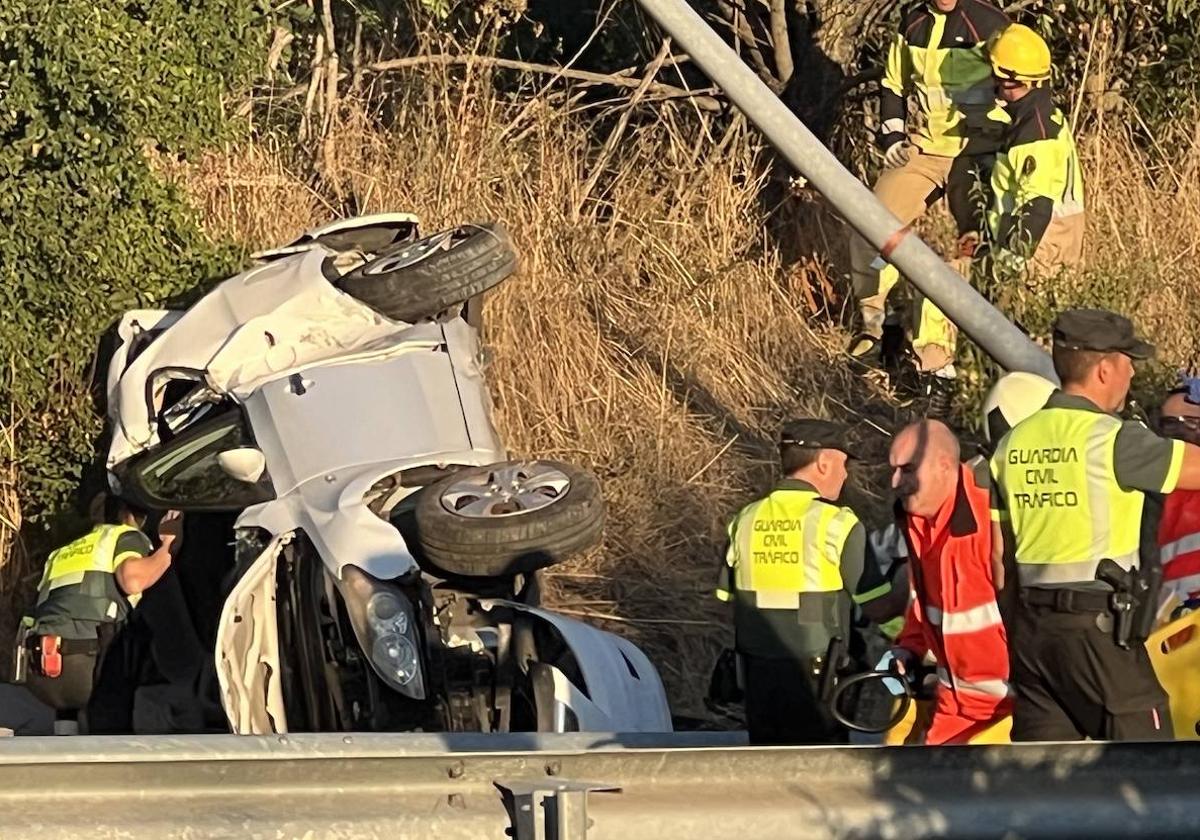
(1183, 545)
(73, 579)
(1037, 574)
(992, 688)
(964, 621)
(774, 599)
(816, 518)
(743, 568)
(969, 621)
(1099, 472)
(1182, 587)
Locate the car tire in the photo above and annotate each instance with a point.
(419, 279)
(509, 518)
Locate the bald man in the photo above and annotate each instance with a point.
(942, 509)
(1179, 527)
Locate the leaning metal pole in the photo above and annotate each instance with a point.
(989, 328)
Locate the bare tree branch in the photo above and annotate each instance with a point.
(704, 101)
(614, 139)
(735, 18)
(781, 41)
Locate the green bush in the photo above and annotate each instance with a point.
(91, 91)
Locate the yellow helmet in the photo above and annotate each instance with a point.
(1020, 54)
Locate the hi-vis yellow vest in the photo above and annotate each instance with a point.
(78, 589)
(1055, 471)
(942, 59)
(1040, 167)
(785, 545)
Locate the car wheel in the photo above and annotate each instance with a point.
(509, 518)
(420, 279)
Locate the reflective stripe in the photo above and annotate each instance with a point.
(964, 621)
(774, 599)
(1175, 468)
(1039, 574)
(991, 688)
(1183, 545)
(1183, 587)
(816, 525)
(72, 579)
(969, 621)
(872, 594)
(723, 595)
(1099, 480)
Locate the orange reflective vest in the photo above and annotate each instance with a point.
(1179, 544)
(953, 613)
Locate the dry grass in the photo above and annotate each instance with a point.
(1143, 249)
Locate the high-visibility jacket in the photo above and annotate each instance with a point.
(78, 590)
(1179, 544)
(1058, 482)
(942, 58)
(1037, 176)
(784, 572)
(953, 613)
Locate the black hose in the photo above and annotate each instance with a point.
(865, 676)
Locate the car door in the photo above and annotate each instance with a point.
(193, 472)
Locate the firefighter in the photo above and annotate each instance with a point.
(943, 510)
(939, 56)
(793, 560)
(1069, 493)
(1036, 220)
(87, 591)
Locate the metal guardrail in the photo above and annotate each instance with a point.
(586, 787)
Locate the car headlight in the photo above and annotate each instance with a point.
(385, 623)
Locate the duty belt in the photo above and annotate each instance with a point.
(1067, 600)
(67, 647)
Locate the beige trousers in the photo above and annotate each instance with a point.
(1061, 245)
(907, 191)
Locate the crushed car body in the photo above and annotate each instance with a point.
(385, 552)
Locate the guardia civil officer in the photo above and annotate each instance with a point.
(88, 589)
(794, 558)
(1070, 485)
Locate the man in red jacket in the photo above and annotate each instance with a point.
(1179, 527)
(943, 510)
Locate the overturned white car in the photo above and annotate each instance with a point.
(382, 569)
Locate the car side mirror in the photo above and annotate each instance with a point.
(243, 464)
